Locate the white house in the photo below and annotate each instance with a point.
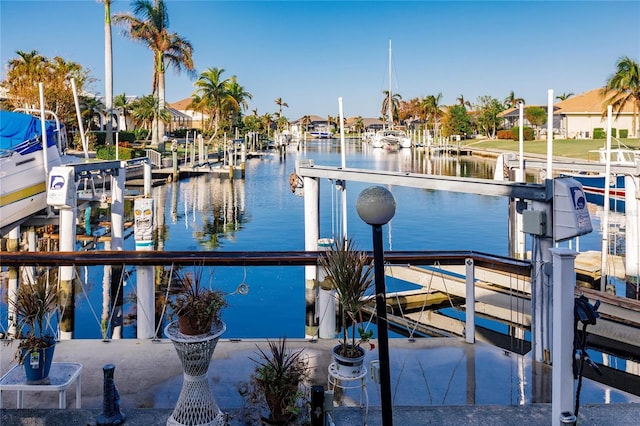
(582, 113)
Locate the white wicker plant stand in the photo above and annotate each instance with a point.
(196, 404)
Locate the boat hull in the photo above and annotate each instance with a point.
(23, 188)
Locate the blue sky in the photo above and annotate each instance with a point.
(309, 53)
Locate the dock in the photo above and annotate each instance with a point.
(503, 298)
(437, 381)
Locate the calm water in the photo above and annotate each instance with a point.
(261, 213)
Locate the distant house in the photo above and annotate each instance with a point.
(511, 117)
(182, 108)
(315, 122)
(582, 113)
(370, 124)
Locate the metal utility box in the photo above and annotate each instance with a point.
(570, 215)
(61, 187)
(534, 222)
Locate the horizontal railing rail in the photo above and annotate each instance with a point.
(252, 258)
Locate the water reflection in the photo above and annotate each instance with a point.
(211, 208)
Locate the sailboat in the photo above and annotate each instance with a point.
(390, 139)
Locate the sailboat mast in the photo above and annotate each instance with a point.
(389, 107)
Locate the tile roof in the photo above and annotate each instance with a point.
(181, 105)
(587, 102)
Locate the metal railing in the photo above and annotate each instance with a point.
(252, 258)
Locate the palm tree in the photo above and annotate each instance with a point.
(358, 124)
(108, 70)
(238, 99)
(564, 96)
(149, 25)
(145, 111)
(463, 102)
(395, 106)
(214, 91)
(199, 105)
(266, 120)
(91, 108)
(623, 88)
(306, 120)
(281, 104)
(511, 101)
(432, 109)
(122, 103)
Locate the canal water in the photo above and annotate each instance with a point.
(261, 213)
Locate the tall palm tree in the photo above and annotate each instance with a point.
(564, 96)
(214, 91)
(281, 104)
(511, 101)
(122, 103)
(149, 25)
(108, 71)
(622, 88)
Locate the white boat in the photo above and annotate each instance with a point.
(24, 165)
(391, 140)
(322, 132)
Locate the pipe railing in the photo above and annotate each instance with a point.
(253, 258)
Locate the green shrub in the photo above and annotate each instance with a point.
(126, 137)
(599, 133)
(527, 133)
(624, 133)
(614, 132)
(181, 133)
(109, 153)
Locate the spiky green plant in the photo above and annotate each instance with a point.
(277, 379)
(35, 305)
(351, 275)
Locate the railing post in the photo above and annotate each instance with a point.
(564, 282)
(470, 328)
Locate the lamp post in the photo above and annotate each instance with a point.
(376, 206)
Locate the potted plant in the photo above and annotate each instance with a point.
(34, 306)
(351, 275)
(277, 383)
(196, 307)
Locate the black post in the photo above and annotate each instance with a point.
(383, 335)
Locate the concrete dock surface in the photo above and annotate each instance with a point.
(435, 381)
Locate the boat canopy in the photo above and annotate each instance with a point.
(16, 128)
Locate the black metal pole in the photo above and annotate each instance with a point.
(383, 334)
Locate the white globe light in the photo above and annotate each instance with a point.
(376, 205)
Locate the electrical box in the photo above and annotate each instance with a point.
(534, 222)
(61, 188)
(570, 214)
